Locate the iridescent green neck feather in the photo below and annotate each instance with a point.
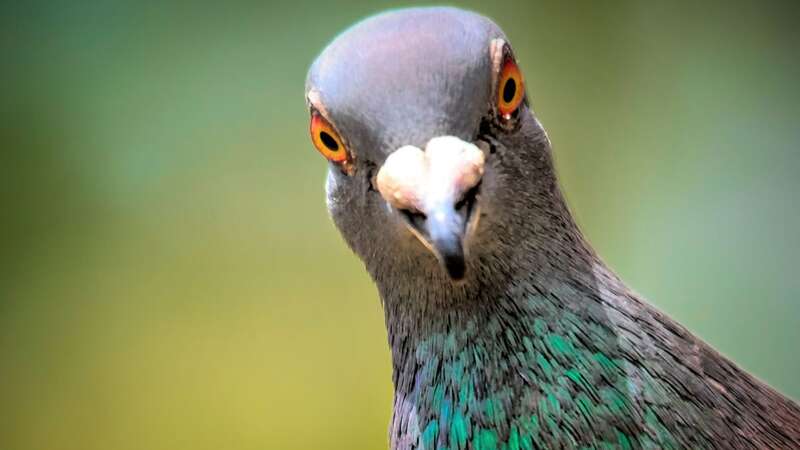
(535, 368)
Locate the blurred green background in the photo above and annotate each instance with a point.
(170, 279)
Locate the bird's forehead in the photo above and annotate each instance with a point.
(408, 75)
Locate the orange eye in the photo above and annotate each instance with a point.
(326, 139)
(510, 89)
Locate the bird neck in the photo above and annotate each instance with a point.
(502, 365)
(494, 320)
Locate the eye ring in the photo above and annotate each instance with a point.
(510, 89)
(327, 140)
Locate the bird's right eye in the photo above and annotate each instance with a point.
(327, 140)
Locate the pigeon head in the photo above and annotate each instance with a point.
(438, 169)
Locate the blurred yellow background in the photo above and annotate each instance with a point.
(170, 279)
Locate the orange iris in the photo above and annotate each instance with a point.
(510, 89)
(326, 139)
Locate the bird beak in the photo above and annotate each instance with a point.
(435, 192)
(444, 229)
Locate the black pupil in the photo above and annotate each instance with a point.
(509, 90)
(329, 141)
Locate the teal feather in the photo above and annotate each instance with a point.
(572, 387)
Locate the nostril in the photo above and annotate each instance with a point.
(415, 218)
(372, 177)
(464, 206)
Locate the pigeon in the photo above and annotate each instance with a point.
(506, 329)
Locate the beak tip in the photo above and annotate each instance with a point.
(446, 232)
(456, 272)
(455, 266)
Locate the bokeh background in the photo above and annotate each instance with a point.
(170, 279)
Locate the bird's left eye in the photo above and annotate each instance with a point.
(510, 88)
(327, 140)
